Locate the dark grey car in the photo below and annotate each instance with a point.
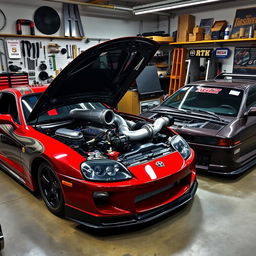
(218, 120)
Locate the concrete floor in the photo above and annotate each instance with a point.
(221, 221)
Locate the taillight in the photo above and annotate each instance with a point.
(227, 142)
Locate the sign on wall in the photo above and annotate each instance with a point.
(222, 53)
(245, 18)
(245, 60)
(206, 53)
(13, 47)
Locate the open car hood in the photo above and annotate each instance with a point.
(102, 74)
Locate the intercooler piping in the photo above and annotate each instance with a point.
(107, 117)
(147, 130)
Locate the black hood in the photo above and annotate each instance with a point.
(102, 73)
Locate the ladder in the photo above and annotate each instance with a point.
(178, 72)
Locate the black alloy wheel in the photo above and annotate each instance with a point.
(50, 189)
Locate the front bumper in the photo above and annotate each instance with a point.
(223, 161)
(1, 239)
(227, 173)
(130, 219)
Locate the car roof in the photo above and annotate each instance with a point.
(241, 84)
(23, 90)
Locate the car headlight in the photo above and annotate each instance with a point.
(104, 170)
(181, 146)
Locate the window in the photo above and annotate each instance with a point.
(251, 98)
(218, 100)
(8, 106)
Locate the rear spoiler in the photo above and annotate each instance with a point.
(237, 76)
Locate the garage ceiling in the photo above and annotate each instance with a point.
(148, 6)
(126, 3)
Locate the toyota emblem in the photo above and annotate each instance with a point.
(160, 164)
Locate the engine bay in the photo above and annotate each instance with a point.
(103, 134)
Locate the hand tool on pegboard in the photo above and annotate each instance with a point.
(50, 62)
(23, 52)
(53, 61)
(1, 61)
(70, 52)
(37, 52)
(68, 55)
(72, 20)
(74, 51)
(44, 52)
(53, 48)
(30, 56)
(4, 53)
(26, 46)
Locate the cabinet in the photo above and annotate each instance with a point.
(162, 57)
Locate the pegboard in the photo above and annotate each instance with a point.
(61, 59)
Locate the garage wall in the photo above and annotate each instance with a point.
(224, 11)
(97, 23)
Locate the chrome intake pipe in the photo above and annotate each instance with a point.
(95, 115)
(108, 117)
(147, 130)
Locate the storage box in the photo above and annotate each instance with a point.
(218, 29)
(186, 23)
(195, 37)
(183, 37)
(208, 37)
(198, 30)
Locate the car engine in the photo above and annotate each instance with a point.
(99, 134)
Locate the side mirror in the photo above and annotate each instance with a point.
(165, 97)
(7, 119)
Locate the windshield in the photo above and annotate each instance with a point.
(29, 101)
(217, 100)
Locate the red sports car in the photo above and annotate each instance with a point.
(90, 163)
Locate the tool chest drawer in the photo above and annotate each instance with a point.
(13, 80)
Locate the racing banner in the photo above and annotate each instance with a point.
(245, 60)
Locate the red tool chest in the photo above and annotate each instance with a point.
(13, 80)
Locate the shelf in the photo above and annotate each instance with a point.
(43, 36)
(161, 39)
(239, 40)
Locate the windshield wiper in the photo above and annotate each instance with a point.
(172, 109)
(208, 113)
(189, 112)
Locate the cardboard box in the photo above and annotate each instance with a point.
(183, 36)
(208, 37)
(218, 29)
(195, 37)
(186, 23)
(198, 29)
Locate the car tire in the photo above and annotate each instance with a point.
(1, 240)
(50, 189)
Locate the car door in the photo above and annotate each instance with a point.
(10, 147)
(248, 133)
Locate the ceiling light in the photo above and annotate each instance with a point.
(165, 7)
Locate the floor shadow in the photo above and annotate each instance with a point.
(223, 178)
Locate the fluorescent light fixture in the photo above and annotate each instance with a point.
(172, 6)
